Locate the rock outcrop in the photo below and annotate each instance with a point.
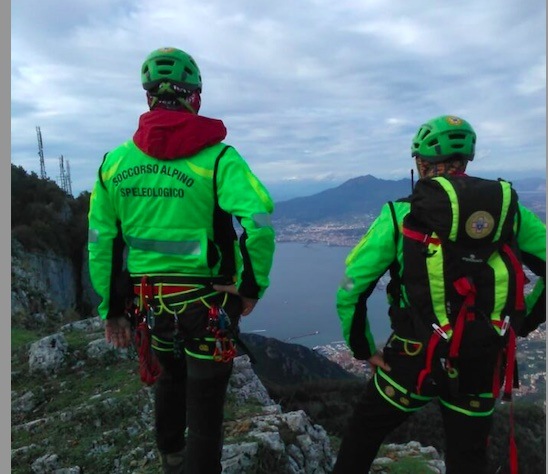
(40, 281)
(262, 434)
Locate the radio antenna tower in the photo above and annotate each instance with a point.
(41, 154)
(69, 182)
(64, 177)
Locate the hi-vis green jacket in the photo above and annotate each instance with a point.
(371, 258)
(167, 198)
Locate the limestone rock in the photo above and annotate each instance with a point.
(48, 355)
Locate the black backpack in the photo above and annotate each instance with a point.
(462, 273)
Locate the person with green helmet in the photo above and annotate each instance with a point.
(163, 249)
(454, 250)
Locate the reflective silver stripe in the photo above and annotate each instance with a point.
(262, 220)
(347, 284)
(93, 236)
(191, 247)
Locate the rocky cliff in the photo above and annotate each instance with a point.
(78, 404)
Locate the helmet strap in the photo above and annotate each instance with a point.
(193, 101)
(186, 105)
(151, 101)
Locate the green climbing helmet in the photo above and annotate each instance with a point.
(173, 66)
(444, 137)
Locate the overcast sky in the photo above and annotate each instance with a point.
(309, 90)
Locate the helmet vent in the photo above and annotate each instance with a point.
(456, 136)
(165, 62)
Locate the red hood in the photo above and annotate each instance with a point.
(168, 134)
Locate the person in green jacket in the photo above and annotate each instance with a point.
(161, 234)
(408, 372)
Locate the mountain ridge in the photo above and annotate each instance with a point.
(342, 214)
(357, 196)
(522, 185)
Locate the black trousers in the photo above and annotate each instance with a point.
(190, 392)
(388, 400)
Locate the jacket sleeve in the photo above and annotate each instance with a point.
(105, 251)
(531, 238)
(241, 194)
(365, 265)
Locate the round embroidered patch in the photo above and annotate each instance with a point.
(390, 391)
(480, 224)
(452, 120)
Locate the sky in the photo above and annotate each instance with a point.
(312, 92)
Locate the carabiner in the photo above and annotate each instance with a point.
(440, 331)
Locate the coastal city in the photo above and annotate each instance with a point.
(343, 234)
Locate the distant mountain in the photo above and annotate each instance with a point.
(530, 185)
(364, 196)
(354, 198)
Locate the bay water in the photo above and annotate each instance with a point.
(300, 304)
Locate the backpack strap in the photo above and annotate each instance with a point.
(394, 286)
(438, 332)
(215, 170)
(420, 237)
(223, 229)
(395, 222)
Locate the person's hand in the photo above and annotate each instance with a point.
(247, 303)
(377, 360)
(118, 331)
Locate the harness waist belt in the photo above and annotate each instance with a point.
(175, 289)
(167, 289)
(182, 280)
(170, 295)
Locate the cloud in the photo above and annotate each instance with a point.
(533, 79)
(325, 89)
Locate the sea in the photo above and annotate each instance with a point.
(300, 304)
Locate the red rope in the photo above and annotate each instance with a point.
(510, 362)
(513, 455)
(432, 343)
(149, 367)
(520, 277)
(465, 288)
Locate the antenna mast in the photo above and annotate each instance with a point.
(64, 176)
(69, 181)
(41, 154)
